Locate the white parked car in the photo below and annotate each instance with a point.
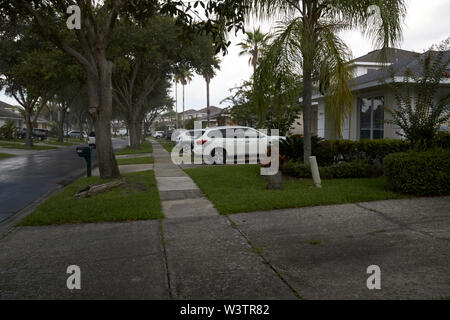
(77, 134)
(177, 133)
(188, 137)
(158, 134)
(221, 143)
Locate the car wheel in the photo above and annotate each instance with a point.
(219, 156)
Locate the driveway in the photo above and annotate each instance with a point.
(29, 175)
(309, 253)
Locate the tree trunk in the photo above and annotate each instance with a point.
(29, 138)
(307, 110)
(61, 119)
(142, 131)
(184, 124)
(133, 127)
(208, 111)
(176, 103)
(100, 96)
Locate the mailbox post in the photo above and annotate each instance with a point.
(85, 152)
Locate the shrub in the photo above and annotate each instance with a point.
(443, 140)
(337, 171)
(350, 170)
(292, 149)
(419, 173)
(8, 131)
(296, 169)
(329, 152)
(374, 151)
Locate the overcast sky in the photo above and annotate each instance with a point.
(426, 23)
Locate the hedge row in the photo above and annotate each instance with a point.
(330, 152)
(419, 173)
(337, 171)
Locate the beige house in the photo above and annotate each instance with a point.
(7, 114)
(371, 97)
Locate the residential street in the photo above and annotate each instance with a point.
(29, 175)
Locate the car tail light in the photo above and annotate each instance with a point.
(201, 142)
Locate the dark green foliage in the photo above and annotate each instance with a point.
(350, 170)
(337, 171)
(8, 131)
(372, 151)
(419, 173)
(296, 169)
(443, 140)
(292, 149)
(335, 151)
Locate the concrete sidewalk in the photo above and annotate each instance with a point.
(314, 253)
(180, 196)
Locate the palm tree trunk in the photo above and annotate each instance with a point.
(176, 103)
(307, 110)
(208, 112)
(184, 125)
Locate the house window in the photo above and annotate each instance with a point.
(371, 117)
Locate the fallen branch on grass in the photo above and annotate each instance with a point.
(96, 189)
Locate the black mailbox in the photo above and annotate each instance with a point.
(85, 152)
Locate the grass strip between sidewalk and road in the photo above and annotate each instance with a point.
(168, 145)
(145, 147)
(138, 199)
(5, 155)
(24, 146)
(240, 188)
(143, 160)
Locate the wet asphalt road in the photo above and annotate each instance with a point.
(25, 178)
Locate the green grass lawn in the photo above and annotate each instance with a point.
(240, 188)
(5, 155)
(137, 200)
(144, 160)
(145, 147)
(168, 145)
(12, 140)
(23, 146)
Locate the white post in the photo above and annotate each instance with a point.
(315, 172)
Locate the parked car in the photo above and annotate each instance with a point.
(77, 134)
(167, 134)
(176, 134)
(91, 140)
(38, 134)
(219, 143)
(158, 134)
(188, 138)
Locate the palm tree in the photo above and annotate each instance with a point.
(253, 45)
(176, 78)
(185, 75)
(307, 43)
(208, 73)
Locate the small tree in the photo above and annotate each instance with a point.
(420, 112)
(8, 131)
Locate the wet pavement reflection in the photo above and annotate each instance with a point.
(25, 178)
